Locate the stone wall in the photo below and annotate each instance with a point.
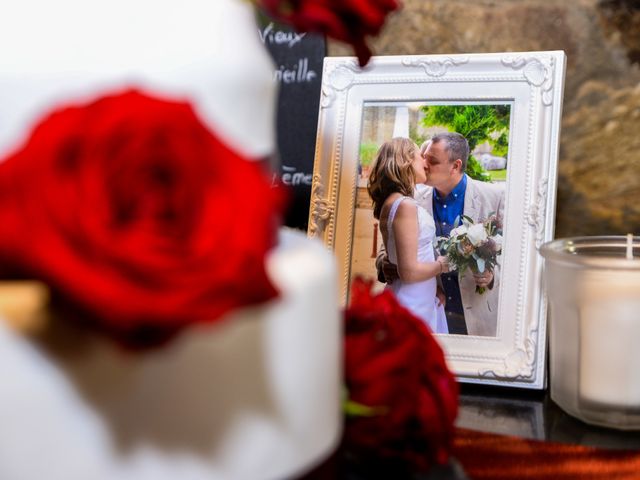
(599, 168)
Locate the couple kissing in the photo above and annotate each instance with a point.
(418, 193)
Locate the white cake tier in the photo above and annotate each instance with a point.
(254, 397)
(205, 51)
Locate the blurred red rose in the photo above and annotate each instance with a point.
(395, 366)
(137, 216)
(349, 21)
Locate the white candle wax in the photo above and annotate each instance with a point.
(609, 337)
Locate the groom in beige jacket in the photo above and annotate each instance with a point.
(447, 155)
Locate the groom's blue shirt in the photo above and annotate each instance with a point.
(445, 211)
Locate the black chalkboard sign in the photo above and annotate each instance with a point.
(298, 59)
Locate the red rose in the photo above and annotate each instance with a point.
(395, 366)
(137, 216)
(349, 21)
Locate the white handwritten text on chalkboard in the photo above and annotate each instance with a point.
(291, 176)
(278, 37)
(286, 72)
(299, 73)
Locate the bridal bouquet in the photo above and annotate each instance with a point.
(473, 246)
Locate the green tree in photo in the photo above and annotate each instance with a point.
(368, 152)
(478, 124)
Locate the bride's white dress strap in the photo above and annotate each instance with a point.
(391, 242)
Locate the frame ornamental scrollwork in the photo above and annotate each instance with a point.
(337, 79)
(517, 365)
(321, 209)
(537, 211)
(435, 67)
(538, 71)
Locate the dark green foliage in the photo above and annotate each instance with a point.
(501, 145)
(478, 123)
(475, 170)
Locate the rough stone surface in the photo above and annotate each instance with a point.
(599, 168)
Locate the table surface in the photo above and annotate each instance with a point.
(532, 414)
(515, 412)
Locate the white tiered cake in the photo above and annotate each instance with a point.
(255, 396)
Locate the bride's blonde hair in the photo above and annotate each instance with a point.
(392, 172)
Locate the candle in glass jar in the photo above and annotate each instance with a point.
(593, 288)
(609, 343)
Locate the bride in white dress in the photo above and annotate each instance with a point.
(408, 230)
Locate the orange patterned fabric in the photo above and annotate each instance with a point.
(499, 457)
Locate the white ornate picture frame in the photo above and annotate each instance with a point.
(532, 84)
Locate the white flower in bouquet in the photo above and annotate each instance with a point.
(477, 234)
(458, 231)
(497, 239)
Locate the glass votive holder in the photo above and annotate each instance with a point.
(593, 289)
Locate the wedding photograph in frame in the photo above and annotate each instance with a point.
(507, 108)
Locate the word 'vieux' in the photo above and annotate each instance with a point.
(278, 37)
